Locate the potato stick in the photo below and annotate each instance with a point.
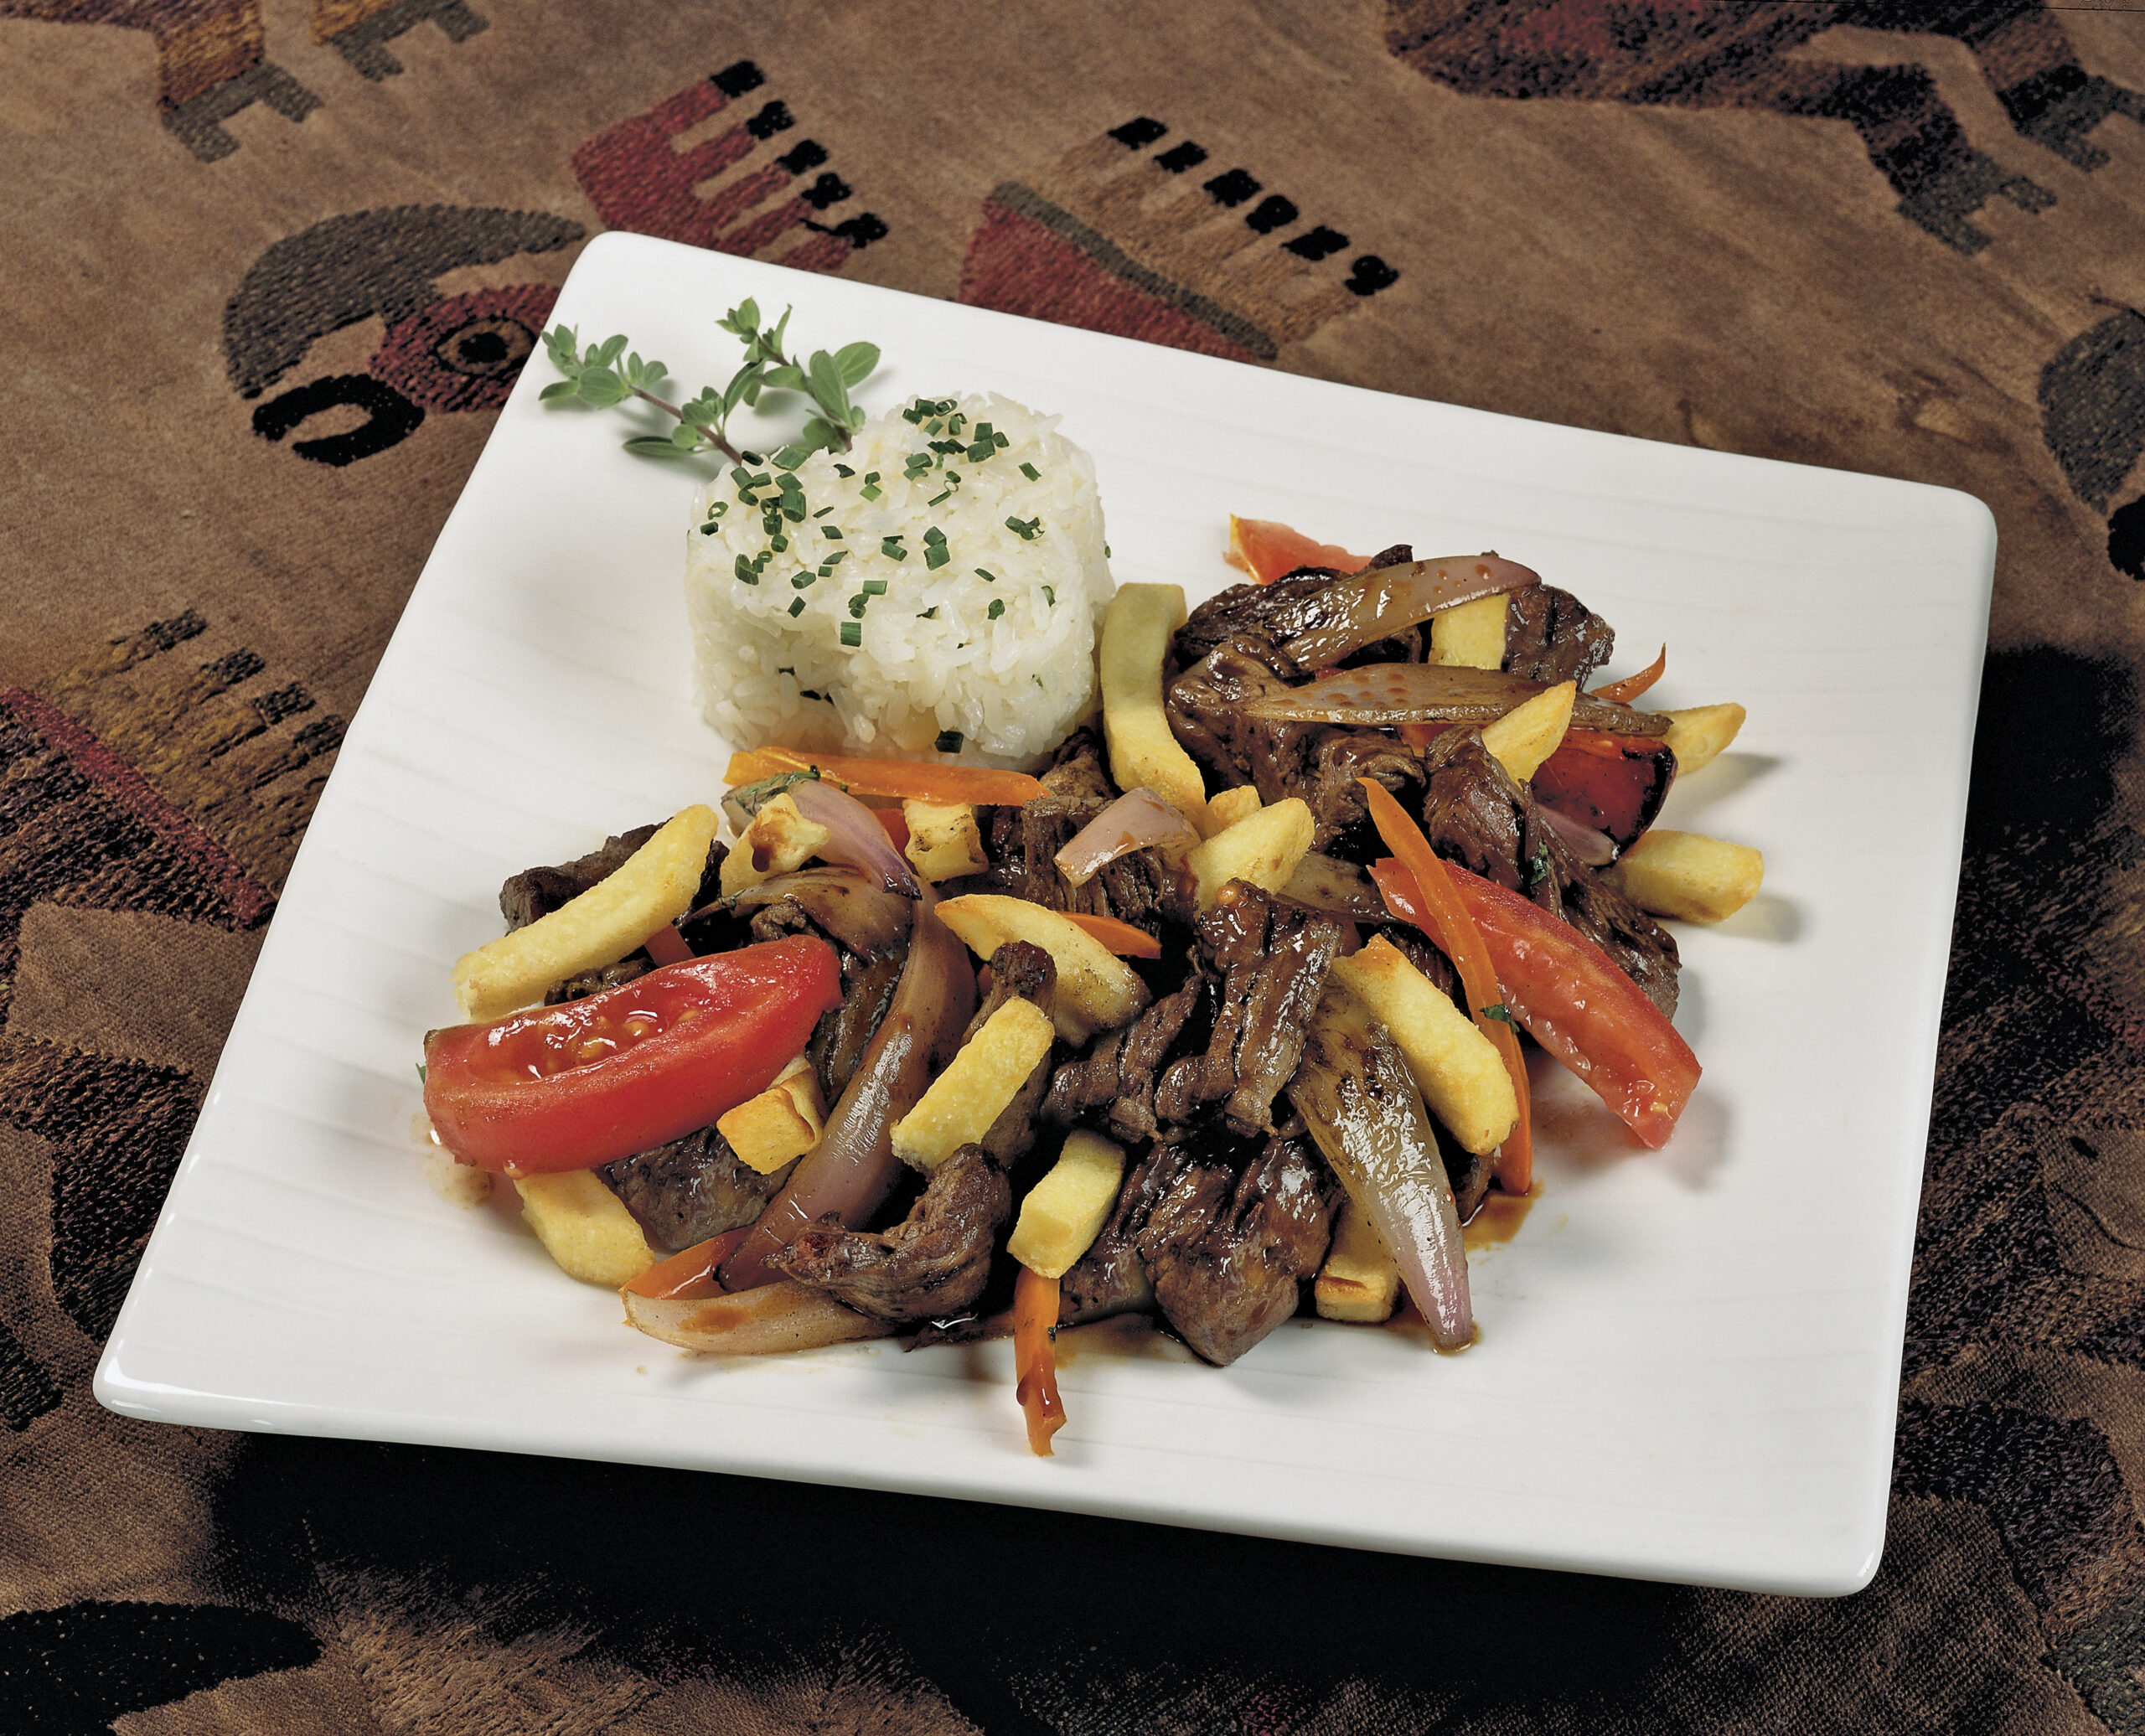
(584, 1227)
(1262, 848)
(1143, 751)
(781, 1124)
(1701, 734)
(1472, 635)
(943, 841)
(654, 885)
(1528, 734)
(1688, 875)
(779, 839)
(1231, 805)
(1095, 991)
(1462, 1075)
(961, 1103)
(1065, 1212)
(1359, 1280)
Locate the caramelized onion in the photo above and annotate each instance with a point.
(1354, 1092)
(1596, 849)
(857, 838)
(1132, 822)
(849, 904)
(1380, 694)
(775, 1318)
(1387, 600)
(852, 1169)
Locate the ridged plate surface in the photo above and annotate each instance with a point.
(1689, 1359)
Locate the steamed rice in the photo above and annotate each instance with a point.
(995, 645)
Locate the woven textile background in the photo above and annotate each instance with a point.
(267, 266)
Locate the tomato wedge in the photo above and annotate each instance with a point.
(566, 1087)
(1267, 549)
(1575, 1003)
(905, 780)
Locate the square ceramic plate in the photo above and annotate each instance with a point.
(1689, 1359)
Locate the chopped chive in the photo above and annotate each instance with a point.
(843, 470)
(834, 558)
(778, 543)
(1050, 596)
(1001, 441)
(746, 572)
(741, 476)
(933, 426)
(821, 514)
(893, 549)
(949, 741)
(870, 492)
(934, 534)
(831, 532)
(796, 609)
(856, 606)
(708, 529)
(942, 494)
(997, 609)
(1105, 551)
(805, 580)
(1027, 530)
(1029, 471)
(1037, 680)
(852, 632)
(986, 574)
(929, 614)
(874, 587)
(936, 556)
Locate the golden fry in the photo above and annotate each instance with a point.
(1528, 734)
(1462, 1075)
(654, 885)
(961, 1102)
(1135, 638)
(1688, 875)
(1065, 1212)
(780, 840)
(1231, 805)
(1262, 848)
(1471, 637)
(779, 1125)
(1701, 734)
(1359, 1280)
(584, 1227)
(943, 840)
(1096, 990)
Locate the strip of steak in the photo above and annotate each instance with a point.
(1117, 1072)
(932, 1264)
(691, 1189)
(1272, 956)
(1551, 636)
(1476, 815)
(1288, 608)
(1109, 1279)
(1022, 842)
(1226, 1249)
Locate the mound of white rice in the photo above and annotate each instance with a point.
(943, 578)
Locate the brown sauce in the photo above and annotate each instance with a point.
(1497, 1220)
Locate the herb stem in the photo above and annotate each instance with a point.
(713, 436)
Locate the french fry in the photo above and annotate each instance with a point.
(1359, 1280)
(584, 1227)
(1231, 805)
(1462, 1075)
(1135, 640)
(654, 885)
(1262, 848)
(1065, 1212)
(1471, 637)
(1688, 875)
(1699, 735)
(961, 1103)
(779, 840)
(1528, 734)
(1095, 990)
(1336, 888)
(943, 840)
(783, 1122)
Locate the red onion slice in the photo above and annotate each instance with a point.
(858, 839)
(1380, 694)
(1387, 600)
(1597, 850)
(1132, 822)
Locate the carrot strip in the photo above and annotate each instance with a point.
(1122, 938)
(1631, 687)
(1445, 919)
(1035, 1355)
(904, 779)
(689, 1276)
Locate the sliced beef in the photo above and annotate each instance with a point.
(595, 982)
(870, 928)
(692, 1188)
(1022, 841)
(538, 891)
(1227, 1245)
(1271, 956)
(1115, 1075)
(932, 1264)
(839, 1040)
(1551, 636)
(1476, 815)
(1110, 1277)
(1018, 971)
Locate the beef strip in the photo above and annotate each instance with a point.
(1021, 842)
(1476, 815)
(1116, 1073)
(692, 1188)
(839, 1040)
(1018, 971)
(1271, 956)
(932, 1264)
(538, 891)
(1318, 761)
(595, 982)
(1551, 636)
(1108, 1279)
(1227, 1247)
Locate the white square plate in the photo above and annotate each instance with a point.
(1689, 1360)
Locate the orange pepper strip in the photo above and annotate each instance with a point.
(1035, 1355)
(1631, 687)
(1445, 919)
(689, 1276)
(905, 779)
(1122, 938)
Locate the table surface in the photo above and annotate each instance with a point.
(272, 271)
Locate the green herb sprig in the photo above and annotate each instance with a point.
(609, 373)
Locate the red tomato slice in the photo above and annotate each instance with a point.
(1575, 1003)
(567, 1088)
(1614, 783)
(1267, 550)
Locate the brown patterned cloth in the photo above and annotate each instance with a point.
(267, 266)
